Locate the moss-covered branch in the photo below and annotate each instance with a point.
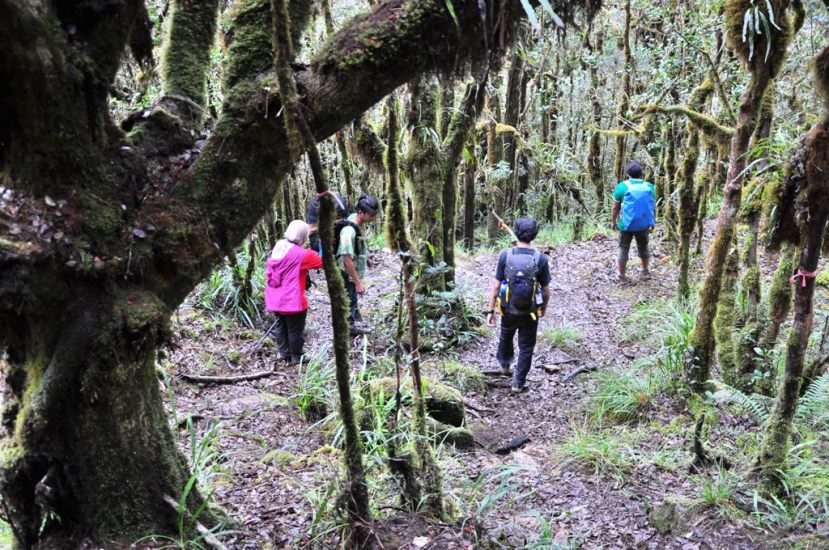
(706, 123)
(186, 57)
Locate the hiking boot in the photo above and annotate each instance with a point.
(516, 388)
(505, 370)
(646, 274)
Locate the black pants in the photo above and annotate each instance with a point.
(625, 238)
(527, 329)
(353, 297)
(289, 335)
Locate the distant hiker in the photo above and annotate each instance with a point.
(635, 198)
(352, 254)
(285, 277)
(312, 217)
(520, 295)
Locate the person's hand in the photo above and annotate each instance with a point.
(651, 228)
(542, 312)
(490, 319)
(360, 288)
(613, 227)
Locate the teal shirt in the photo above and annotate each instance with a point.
(622, 189)
(348, 245)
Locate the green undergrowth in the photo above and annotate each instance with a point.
(223, 290)
(626, 394)
(562, 335)
(549, 236)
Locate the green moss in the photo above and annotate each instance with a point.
(464, 377)
(725, 320)
(442, 402)
(279, 458)
(186, 53)
(251, 49)
(11, 453)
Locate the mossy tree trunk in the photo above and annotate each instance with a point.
(726, 319)
(426, 185)
(669, 162)
(421, 475)
(193, 24)
(433, 173)
(470, 174)
(813, 227)
(594, 148)
(355, 499)
(762, 70)
(806, 193)
(624, 96)
(687, 188)
(512, 115)
(80, 317)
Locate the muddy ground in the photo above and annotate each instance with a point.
(277, 466)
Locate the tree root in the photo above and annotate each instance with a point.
(208, 537)
(227, 379)
(578, 371)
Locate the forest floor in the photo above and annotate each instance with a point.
(575, 482)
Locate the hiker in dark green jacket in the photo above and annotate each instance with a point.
(634, 216)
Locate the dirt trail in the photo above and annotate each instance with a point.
(595, 511)
(273, 495)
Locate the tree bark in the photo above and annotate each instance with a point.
(81, 314)
(687, 188)
(811, 223)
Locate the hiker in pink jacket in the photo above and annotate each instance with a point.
(285, 277)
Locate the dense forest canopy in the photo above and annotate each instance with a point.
(147, 145)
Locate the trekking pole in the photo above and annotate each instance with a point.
(504, 226)
(259, 342)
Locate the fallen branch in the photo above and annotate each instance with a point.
(495, 373)
(511, 445)
(469, 404)
(578, 371)
(227, 379)
(208, 537)
(498, 384)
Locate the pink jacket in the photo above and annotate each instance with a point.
(283, 292)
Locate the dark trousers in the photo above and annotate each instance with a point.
(625, 238)
(527, 329)
(289, 335)
(351, 290)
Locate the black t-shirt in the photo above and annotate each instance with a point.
(543, 265)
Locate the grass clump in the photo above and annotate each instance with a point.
(463, 377)
(624, 397)
(562, 336)
(607, 454)
(315, 381)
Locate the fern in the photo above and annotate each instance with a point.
(811, 406)
(815, 401)
(757, 406)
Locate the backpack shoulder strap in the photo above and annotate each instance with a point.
(536, 257)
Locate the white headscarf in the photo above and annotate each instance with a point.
(295, 234)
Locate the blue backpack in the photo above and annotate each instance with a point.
(637, 207)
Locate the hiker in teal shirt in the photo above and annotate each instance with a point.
(635, 200)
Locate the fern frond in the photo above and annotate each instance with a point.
(815, 400)
(757, 406)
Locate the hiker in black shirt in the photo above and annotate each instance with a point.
(520, 293)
